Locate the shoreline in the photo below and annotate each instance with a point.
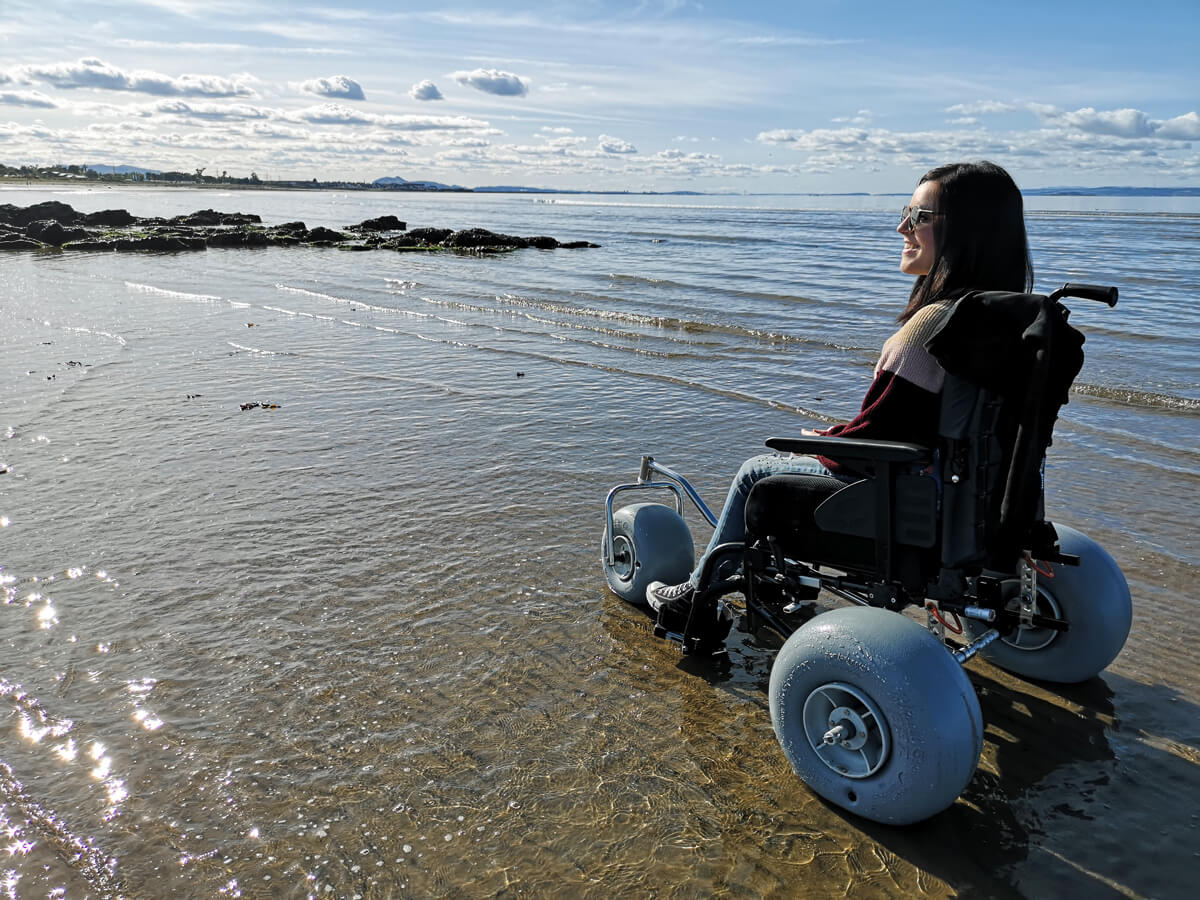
(1110, 191)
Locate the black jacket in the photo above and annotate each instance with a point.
(1021, 347)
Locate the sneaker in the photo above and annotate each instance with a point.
(673, 603)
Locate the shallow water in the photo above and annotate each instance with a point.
(358, 641)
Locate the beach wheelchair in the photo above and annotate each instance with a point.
(944, 552)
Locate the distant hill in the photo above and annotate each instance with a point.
(123, 170)
(398, 183)
(1113, 191)
(502, 189)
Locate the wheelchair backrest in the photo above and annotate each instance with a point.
(1010, 360)
(971, 458)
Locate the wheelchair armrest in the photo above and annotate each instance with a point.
(853, 449)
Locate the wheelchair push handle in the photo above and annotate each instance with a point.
(1103, 294)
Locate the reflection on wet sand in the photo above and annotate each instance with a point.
(1048, 813)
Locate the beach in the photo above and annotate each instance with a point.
(300, 557)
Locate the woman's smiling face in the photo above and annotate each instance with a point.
(919, 245)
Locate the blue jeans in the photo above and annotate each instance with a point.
(731, 526)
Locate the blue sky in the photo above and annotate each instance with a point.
(836, 95)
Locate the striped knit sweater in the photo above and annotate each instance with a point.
(902, 402)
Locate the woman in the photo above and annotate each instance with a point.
(964, 229)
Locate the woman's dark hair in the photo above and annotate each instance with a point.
(980, 235)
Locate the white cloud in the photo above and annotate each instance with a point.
(27, 98)
(829, 151)
(1126, 123)
(91, 72)
(11, 130)
(795, 41)
(212, 111)
(333, 114)
(862, 117)
(817, 139)
(611, 144)
(550, 129)
(565, 141)
(493, 81)
(1181, 128)
(334, 86)
(425, 90)
(981, 108)
(1130, 124)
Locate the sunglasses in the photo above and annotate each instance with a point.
(916, 216)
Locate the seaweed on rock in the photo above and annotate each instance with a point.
(54, 225)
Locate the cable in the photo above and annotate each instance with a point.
(956, 628)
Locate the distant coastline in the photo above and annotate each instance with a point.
(85, 176)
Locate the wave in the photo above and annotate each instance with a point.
(554, 323)
(666, 236)
(623, 278)
(303, 315)
(1134, 397)
(1175, 337)
(766, 402)
(688, 326)
(259, 351)
(104, 334)
(709, 289)
(164, 292)
(317, 295)
(742, 204)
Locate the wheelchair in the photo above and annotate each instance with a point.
(871, 705)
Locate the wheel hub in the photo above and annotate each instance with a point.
(846, 730)
(1034, 637)
(623, 562)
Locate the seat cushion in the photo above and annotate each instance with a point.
(783, 506)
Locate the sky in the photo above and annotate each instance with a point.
(660, 95)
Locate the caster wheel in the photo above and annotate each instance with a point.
(651, 542)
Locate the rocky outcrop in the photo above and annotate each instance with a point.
(55, 225)
(382, 223)
(51, 232)
(428, 235)
(50, 210)
(209, 217)
(321, 235)
(110, 218)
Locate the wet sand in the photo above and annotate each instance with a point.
(361, 641)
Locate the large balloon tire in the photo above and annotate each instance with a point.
(914, 728)
(1093, 597)
(651, 543)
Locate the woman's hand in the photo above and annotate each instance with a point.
(808, 432)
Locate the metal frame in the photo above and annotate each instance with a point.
(676, 484)
(846, 588)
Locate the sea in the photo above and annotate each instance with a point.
(300, 557)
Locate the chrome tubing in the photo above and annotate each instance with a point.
(610, 553)
(649, 465)
(677, 484)
(962, 655)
